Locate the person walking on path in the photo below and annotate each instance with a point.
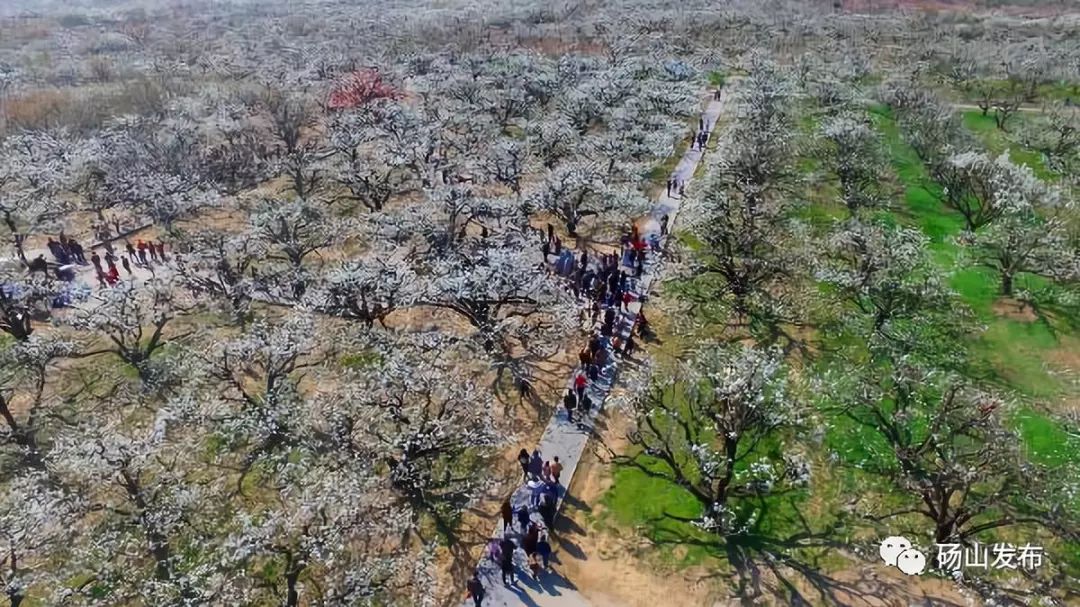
(543, 549)
(523, 459)
(141, 248)
(131, 253)
(475, 589)
(532, 536)
(669, 184)
(580, 381)
(523, 518)
(77, 251)
(127, 266)
(701, 123)
(507, 514)
(546, 472)
(682, 190)
(161, 251)
(664, 222)
(556, 470)
(507, 564)
(536, 464)
(569, 401)
(153, 251)
(547, 511)
(96, 260)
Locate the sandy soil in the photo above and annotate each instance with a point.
(1014, 310)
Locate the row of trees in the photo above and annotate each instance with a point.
(849, 326)
(303, 403)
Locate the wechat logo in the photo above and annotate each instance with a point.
(898, 552)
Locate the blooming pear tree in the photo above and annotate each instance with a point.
(714, 425)
(1025, 241)
(223, 266)
(946, 444)
(430, 433)
(130, 323)
(983, 188)
(855, 155)
(886, 276)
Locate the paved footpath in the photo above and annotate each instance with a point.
(567, 440)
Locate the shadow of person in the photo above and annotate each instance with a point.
(572, 549)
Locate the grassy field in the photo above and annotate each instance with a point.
(1017, 353)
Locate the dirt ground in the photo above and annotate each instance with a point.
(600, 564)
(1013, 309)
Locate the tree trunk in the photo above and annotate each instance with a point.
(292, 594)
(1006, 283)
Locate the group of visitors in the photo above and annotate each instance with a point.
(68, 253)
(542, 478)
(610, 290)
(700, 138)
(143, 254)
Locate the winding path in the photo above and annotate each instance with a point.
(567, 440)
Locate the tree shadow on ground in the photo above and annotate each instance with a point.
(788, 565)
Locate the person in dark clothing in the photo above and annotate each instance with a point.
(161, 251)
(475, 588)
(507, 514)
(536, 464)
(38, 265)
(543, 549)
(670, 182)
(523, 518)
(111, 262)
(153, 251)
(569, 401)
(77, 251)
(507, 564)
(701, 123)
(523, 459)
(96, 260)
(532, 536)
(550, 232)
(127, 266)
(547, 511)
(664, 224)
(131, 252)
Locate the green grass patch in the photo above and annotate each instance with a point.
(641, 500)
(1047, 441)
(998, 142)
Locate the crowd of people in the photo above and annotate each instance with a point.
(606, 284)
(68, 254)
